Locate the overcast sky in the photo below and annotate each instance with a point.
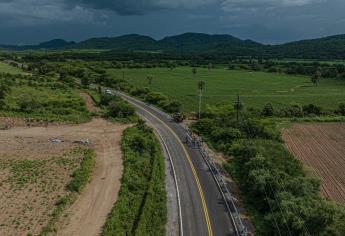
(268, 21)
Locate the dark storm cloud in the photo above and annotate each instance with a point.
(140, 7)
(27, 21)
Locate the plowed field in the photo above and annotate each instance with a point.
(321, 147)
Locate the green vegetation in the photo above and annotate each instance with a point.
(141, 206)
(256, 88)
(8, 69)
(274, 187)
(117, 109)
(41, 98)
(199, 45)
(82, 175)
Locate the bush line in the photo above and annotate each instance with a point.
(141, 207)
(274, 187)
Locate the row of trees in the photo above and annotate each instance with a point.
(281, 197)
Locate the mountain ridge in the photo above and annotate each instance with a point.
(201, 43)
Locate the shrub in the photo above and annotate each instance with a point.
(140, 92)
(312, 109)
(155, 98)
(204, 126)
(28, 102)
(268, 110)
(255, 129)
(293, 110)
(223, 136)
(120, 109)
(172, 107)
(341, 109)
(106, 99)
(141, 206)
(82, 175)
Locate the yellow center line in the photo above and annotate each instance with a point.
(201, 193)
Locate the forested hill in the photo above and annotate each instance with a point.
(329, 47)
(332, 47)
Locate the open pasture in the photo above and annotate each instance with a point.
(321, 147)
(255, 88)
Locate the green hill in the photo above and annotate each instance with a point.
(332, 47)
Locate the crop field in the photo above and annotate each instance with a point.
(255, 88)
(321, 147)
(5, 68)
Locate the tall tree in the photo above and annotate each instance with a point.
(315, 78)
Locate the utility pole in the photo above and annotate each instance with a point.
(201, 89)
(238, 106)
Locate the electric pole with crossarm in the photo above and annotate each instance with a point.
(201, 90)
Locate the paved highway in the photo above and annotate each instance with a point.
(202, 208)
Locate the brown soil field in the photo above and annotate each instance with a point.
(34, 172)
(321, 147)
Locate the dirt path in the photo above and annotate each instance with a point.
(90, 104)
(88, 214)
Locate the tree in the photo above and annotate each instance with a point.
(120, 109)
(210, 66)
(149, 79)
(231, 66)
(4, 90)
(85, 81)
(341, 109)
(315, 78)
(194, 71)
(28, 102)
(268, 110)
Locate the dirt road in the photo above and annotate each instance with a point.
(88, 214)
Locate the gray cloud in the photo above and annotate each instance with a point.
(235, 5)
(264, 20)
(31, 12)
(139, 7)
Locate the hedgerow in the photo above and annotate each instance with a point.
(274, 187)
(141, 206)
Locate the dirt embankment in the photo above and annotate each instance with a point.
(321, 147)
(90, 104)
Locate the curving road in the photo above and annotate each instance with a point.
(202, 208)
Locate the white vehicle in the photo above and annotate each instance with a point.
(108, 91)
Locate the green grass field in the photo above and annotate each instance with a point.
(5, 68)
(255, 88)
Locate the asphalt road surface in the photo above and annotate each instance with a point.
(203, 210)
